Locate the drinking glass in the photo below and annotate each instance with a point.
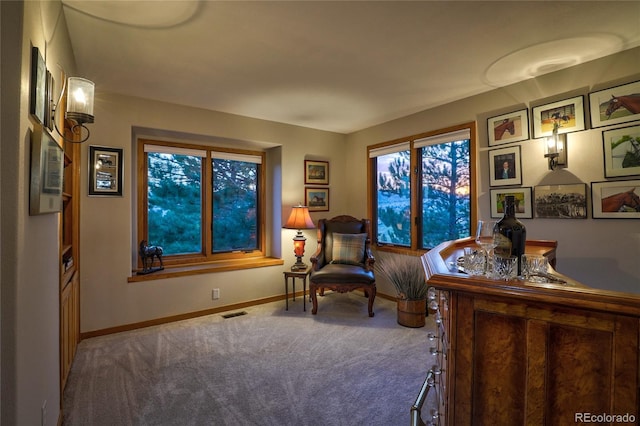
(505, 267)
(486, 238)
(534, 267)
(474, 261)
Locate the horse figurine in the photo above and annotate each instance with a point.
(505, 126)
(147, 254)
(630, 102)
(622, 202)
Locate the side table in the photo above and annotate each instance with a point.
(302, 274)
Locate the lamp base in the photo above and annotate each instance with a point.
(298, 266)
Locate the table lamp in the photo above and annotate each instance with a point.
(299, 219)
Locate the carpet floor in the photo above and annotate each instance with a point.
(266, 367)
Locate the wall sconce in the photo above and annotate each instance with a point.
(79, 106)
(299, 219)
(556, 150)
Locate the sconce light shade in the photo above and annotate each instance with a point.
(299, 219)
(556, 150)
(79, 106)
(80, 93)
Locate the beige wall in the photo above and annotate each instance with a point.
(30, 247)
(106, 226)
(599, 253)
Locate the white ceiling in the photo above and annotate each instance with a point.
(339, 66)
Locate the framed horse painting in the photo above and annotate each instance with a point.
(507, 128)
(615, 105)
(616, 199)
(621, 151)
(567, 115)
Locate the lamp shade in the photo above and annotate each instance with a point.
(299, 218)
(80, 92)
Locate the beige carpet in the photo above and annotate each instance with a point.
(268, 367)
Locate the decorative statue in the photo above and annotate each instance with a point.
(147, 254)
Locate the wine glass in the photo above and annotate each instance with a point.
(486, 239)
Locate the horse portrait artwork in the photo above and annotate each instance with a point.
(623, 202)
(630, 102)
(148, 254)
(506, 126)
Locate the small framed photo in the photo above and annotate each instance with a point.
(316, 172)
(47, 169)
(561, 201)
(616, 199)
(524, 206)
(621, 151)
(615, 105)
(105, 171)
(567, 114)
(38, 95)
(507, 128)
(317, 199)
(506, 166)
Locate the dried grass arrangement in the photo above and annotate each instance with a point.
(406, 275)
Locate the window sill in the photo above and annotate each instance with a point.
(398, 250)
(207, 268)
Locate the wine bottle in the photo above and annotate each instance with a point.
(513, 233)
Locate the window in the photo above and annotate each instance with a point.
(422, 189)
(200, 203)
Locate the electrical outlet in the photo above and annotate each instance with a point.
(43, 412)
(215, 294)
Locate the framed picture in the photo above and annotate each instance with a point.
(507, 128)
(105, 171)
(621, 151)
(38, 85)
(561, 201)
(49, 102)
(616, 200)
(567, 114)
(524, 207)
(316, 172)
(506, 166)
(47, 168)
(317, 199)
(618, 104)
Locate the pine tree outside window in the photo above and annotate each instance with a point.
(200, 203)
(423, 189)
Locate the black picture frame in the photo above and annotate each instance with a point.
(568, 113)
(105, 171)
(509, 157)
(524, 202)
(601, 192)
(508, 128)
(566, 201)
(601, 100)
(37, 98)
(621, 151)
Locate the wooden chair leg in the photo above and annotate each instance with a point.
(314, 299)
(372, 296)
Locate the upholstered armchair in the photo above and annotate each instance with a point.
(343, 261)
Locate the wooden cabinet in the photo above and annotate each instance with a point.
(69, 261)
(532, 354)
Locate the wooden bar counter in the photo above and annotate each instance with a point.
(523, 353)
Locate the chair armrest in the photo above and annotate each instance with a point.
(369, 259)
(317, 259)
